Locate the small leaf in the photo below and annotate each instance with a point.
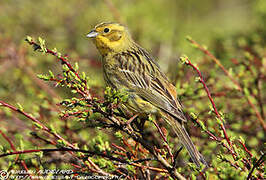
(42, 44)
(83, 75)
(59, 55)
(197, 79)
(43, 77)
(52, 128)
(55, 50)
(29, 38)
(205, 47)
(20, 107)
(193, 115)
(37, 125)
(74, 91)
(218, 120)
(184, 59)
(22, 145)
(51, 74)
(193, 177)
(65, 67)
(76, 66)
(241, 139)
(189, 38)
(118, 135)
(246, 92)
(203, 127)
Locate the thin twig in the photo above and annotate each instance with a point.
(255, 165)
(187, 62)
(64, 60)
(246, 149)
(217, 61)
(14, 149)
(43, 127)
(165, 140)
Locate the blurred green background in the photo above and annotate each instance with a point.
(152, 23)
(160, 26)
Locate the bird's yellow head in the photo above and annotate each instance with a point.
(110, 37)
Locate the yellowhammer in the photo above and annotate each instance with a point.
(128, 66)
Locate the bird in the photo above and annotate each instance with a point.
(127, 66)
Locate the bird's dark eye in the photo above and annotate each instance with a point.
(106, 30)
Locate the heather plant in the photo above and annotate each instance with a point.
(58, 120)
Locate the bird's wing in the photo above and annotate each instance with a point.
(146, 80)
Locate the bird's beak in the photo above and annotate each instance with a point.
(92, 34)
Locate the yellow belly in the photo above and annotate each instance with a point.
(138, 105)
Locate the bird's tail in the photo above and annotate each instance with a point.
(183, 136)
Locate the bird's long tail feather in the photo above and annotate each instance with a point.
(184, 138)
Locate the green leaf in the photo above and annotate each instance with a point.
(205, 46)
(76, 66)
(42, 45)
(188, 38)
(197, 79)
(37, 125)
(20, 107)
(118, 134)
(203, 127)
(246, 92)
(59, 55)
(184, 59)
(44, 77)
(29, 38)
(241, 139)
(74, 91)
(193, 177)
(193, 115)
(71, 74)
(83, 75)
(52, 128)
(55, 50)
(51, 74)
(61, 143)
(65, 67)
(218, 120)
(22, 145)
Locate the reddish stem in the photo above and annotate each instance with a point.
(217, 61)
(187, 62)
(65, 61)
(165, 140)
(8, 140)
(118, 147)
(34, 120)
(14, 149)
(246, 149)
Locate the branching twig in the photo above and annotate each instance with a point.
(115, 122)
(43, 127)
(187, 62)
(84, 92)
(258, 162)
(38, 123)
(14, 149)
(246, 149)
(217, 61)
(165, 140)
(229, 148)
